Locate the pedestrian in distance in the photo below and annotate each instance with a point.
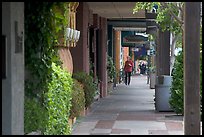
(128, 68)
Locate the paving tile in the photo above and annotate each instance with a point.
(139, 132)
(99, 131)
(174, 125)
(145, 117)
(140, 125)
(101, 116)
(84, 127)
(120, 131)
(176, 132)
(158, 132)
(129, 110)
(106, 124)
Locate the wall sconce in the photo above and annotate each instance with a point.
(72, 35)
(69, 34)
(77, 35)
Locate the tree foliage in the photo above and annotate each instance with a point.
(169, 14)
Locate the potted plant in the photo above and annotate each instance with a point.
(111, 70)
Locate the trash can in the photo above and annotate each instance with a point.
(162, 93)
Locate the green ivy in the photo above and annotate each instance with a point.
(35, 115)
(39, 45)
(90, 87)
(45, 24)
(58, 101)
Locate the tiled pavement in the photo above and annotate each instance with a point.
(129, 110)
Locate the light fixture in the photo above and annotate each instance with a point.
(70, 38)
(69, 33)
(72, 35)
(77, 36)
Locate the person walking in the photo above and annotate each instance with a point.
(128, 70)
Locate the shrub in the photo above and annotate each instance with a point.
(177, 94)
(111, 69)
(176, 99)
(90, 86)
(78, 99)
(58, 101)
(34, 116)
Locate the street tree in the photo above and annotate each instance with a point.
(170, 16)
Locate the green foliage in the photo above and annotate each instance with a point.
(152, 69)
(60, 21)
(35, 116)
(78, 99)
(90, 87)
(58, 101)
(111, 69)
(144, 6)
(39, 46)
(177, 96)
(91, 66)
(176, 99)
(42, 19)
(164, 16)
(45, 23)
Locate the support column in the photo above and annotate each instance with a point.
(110, 42)
(117, 53)
(192, 68)
(13, 84)
(103, 57)
(81, 63)
(163, 53)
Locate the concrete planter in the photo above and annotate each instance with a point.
(162, 93)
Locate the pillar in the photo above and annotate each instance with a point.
(192, 68)
(13, 83)
(117, 35)
(163, 53)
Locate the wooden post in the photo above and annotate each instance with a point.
(192, 68)
(163, 53)
(117, 52)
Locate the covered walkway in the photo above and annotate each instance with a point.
(129, 110)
